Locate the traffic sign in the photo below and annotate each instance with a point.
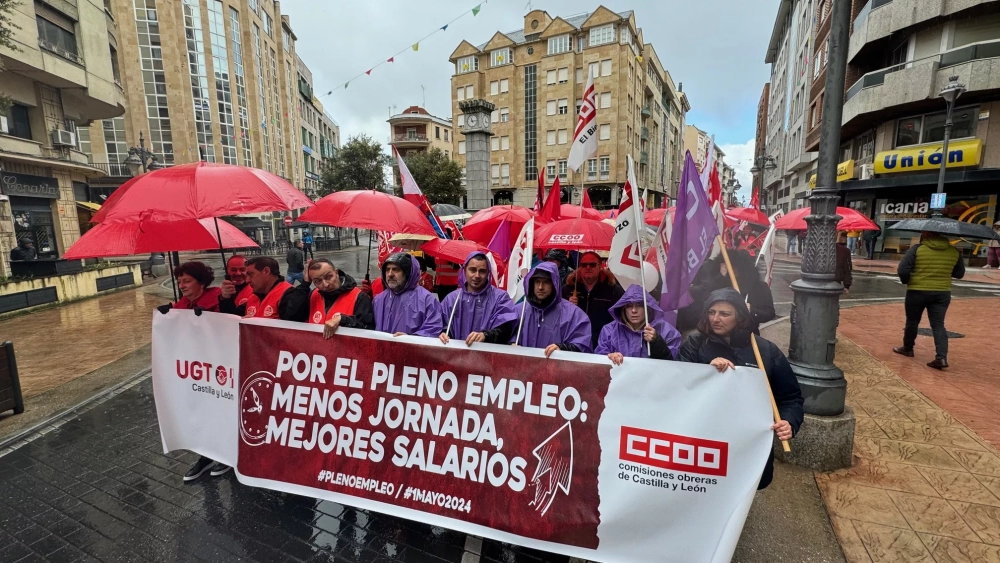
(287, 220)
(937, 201)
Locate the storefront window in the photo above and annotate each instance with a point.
(908, 132)
(930, 128)
(971, 209)
(33, 222)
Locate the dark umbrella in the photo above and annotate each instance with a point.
(449, 212)
(946, 226)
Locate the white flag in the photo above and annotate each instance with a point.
(642, 202)
(767, 249)
(520, 261)
(625, 261)
(661, 243)
(585, 137)
(709, 163)
(720, 222)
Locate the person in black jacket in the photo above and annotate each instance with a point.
(713, 276)
(844, 272)
(337, 300)
(593, 289)
(723, 340)
(264, 276)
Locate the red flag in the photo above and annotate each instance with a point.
(391, 59)
(755, 198)
(452, 227)
(384, 247)
(715, 188)
(586, 200)
(369, 71)
(550, 212)
(540, 194)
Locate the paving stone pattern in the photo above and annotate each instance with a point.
(98, 488)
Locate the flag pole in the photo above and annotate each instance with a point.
(642, 278)
(520, 323)
(452, 315)
(753, 341)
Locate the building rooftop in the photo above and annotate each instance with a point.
(576, 21)
(417, 111)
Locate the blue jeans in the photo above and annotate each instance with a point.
(852, 244)
(290, 278)
(792, 244)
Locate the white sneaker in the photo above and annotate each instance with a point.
(987, 267)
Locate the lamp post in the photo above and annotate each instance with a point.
(950, 93)
(139, 157)
(761, 164)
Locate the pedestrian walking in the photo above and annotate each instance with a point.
(405, 307)
(724, 341)
(549, 321)
(629, 336)
(307, 244)
(792, 239)
(336, 300)
(478, 311)
(871, 238)
(296, 261)
(852, 240)
(844, 272)
(993, 250)
(802, 243)
(927, 270)
(593, 289)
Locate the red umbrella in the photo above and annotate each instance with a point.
(456, 250)
(144, 237)
(654, 216)
(484, 224)
(570, 211)
(852, 220)
(575, 234)
(199, 191)
(369, 209)
(748, 214)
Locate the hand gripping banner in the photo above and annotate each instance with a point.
(649, 461)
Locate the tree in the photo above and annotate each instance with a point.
(360, 164)
(439, 177)
(7, 27)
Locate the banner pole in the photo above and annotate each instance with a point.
(642, 278)
(753, 342)
(521, 322)
(452, 315)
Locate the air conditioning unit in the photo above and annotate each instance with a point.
(867, 171)
(62, 138)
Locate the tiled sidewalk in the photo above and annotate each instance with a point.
(977, 275)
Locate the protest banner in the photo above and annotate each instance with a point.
(648, 461)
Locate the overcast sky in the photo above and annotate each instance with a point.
(714, 47)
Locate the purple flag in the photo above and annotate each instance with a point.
(500, 243)
(693, 232)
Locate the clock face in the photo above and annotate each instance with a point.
(472, 120)
(255, 395)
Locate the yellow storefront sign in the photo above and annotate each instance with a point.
(928, 157)
(845, 171)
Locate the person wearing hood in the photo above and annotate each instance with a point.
(561, 259)
(714, 275)
(337, 300)
(723, 340)
(927, 269)
(627, 335)
(551, 322)
(477, 311)
(405, 307)
(593, 289)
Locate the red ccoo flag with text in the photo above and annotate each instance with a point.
(585, 136)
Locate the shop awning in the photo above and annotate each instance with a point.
(89, 206)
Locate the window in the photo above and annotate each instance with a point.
(930, 128)
(467, 64)
(461, 122)
(606, 67)
(495, 174)
(563, 75)
(268, 25)
(504, 86)
(592, 169)
(115, 69)
(502, 57)
(562, 169)
(605, 132)
(446, 134)
(605, 100)
(494, 88)
(626, 38)
(57, 38)
(18, 124)
(562, 137)
(494, 143)
(550, 77)
(559, 44)
(581, 43)
(460, 93)
(530, 122)
(504, 115)
(505, 174)
(563, 106)
(470, 92)
(495, 116)
(286, 39)
(602, 35)
(253, 5)
(595, 69)
(437, 132)
(550, 171)
(550, 138)
(579, 104)
(605, 167)
(461, 147)
(550, 107)
(505, 143)
(579, 76)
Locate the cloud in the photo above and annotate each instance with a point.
(740, 157)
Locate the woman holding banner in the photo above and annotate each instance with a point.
(627, 334)
(724, 341)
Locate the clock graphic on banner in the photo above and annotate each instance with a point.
(255, 394)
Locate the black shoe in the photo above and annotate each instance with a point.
(198, 469)
(902, 350)
(220, 469)
(938, 363)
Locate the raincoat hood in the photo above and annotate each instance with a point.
(406, 262)
(489, 270)
(729, 295)
(618, 336)
(635, 294)
(486, 309)
(543, 269)
(557, 322)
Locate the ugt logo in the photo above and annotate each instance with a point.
(202, 371)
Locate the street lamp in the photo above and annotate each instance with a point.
(950, 93)
(139, 157)
(761, 164)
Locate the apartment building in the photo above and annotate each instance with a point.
(696, 142)
(320, 133)
(760, 140)
(416, 130)
(62, 76)
(789, 52)
(535, 77)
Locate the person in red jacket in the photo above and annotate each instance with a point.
(272, 297)
(193, 281)
(235, 285)
(337, 300)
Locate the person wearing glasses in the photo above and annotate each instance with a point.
(337, 300)
(595, 290)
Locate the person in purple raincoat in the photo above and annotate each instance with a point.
(405, 307)
(551, 322)
(626, 336)
(478, 311)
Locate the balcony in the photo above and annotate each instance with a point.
(410, 139)
(644, 134)
(646, 112)
(113, 169)
(643, 157)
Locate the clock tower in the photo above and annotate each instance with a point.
(477, 152)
